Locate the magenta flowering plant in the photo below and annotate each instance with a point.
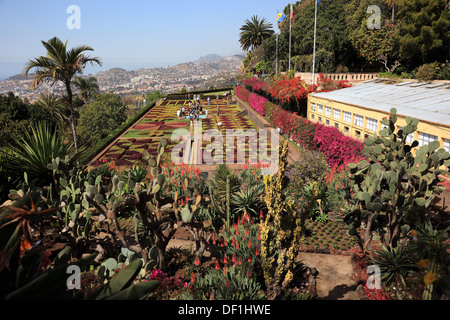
(337, 147)
(257, 103)
(255, 83)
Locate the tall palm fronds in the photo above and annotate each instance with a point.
(88, 87)
(254, 32)
(61, 64)
(52, 103)
(391, 5)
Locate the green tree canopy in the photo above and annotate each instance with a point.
(424, 31)
(101, 116)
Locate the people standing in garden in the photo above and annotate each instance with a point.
(208, 101)
(218, 110)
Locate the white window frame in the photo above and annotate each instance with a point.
(337, 114)
(426, 138)
(347, 117)
(359, 120)
(313, 106)
(328, 111)
(371, 124)
(320, 108)
(447, 145)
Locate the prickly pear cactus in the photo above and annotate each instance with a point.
(397, 183)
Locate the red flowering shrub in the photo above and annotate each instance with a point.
(242, 93)
(287, 90)
(327, 84)
(255, 83)
(257, 103)
(337, 147)
(299, 129)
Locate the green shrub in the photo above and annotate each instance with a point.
(97, 119)
(428, 71)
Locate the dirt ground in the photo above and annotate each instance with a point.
(334, 281)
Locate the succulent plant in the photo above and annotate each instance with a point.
(393, 186)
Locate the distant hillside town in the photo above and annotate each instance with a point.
(208, 71)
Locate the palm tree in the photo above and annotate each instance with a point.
(61, 64)
(254, 32)
(51, 102)
(391, 5)
(88, 87)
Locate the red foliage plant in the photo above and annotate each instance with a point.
(337, 147)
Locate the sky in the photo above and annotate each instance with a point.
(128, 34)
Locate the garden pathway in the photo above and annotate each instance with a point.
(334, 281)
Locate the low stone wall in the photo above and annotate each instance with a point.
(252, 114)
(351, 77)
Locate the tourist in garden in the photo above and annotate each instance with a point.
(218, 110)
(208, 101)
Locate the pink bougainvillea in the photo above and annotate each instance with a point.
(255, 101)
(337, 147)
(255, 83)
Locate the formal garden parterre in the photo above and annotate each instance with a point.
(162, 121)
(127, 208)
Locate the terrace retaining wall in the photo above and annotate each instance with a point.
(350, 77)
(252, 114)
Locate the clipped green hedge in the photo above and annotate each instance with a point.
(92, 152)
(182, 96)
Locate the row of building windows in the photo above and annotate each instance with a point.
(371, 124)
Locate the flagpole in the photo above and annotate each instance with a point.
(314, 48)
(276, 65)
(290, 31)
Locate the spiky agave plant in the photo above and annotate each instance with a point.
(395, 264)
(36, 149)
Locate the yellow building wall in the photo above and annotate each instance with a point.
(326, 116)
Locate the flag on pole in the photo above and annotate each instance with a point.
(280, 17)
(292, 11)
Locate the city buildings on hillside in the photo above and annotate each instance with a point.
(358, 111)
